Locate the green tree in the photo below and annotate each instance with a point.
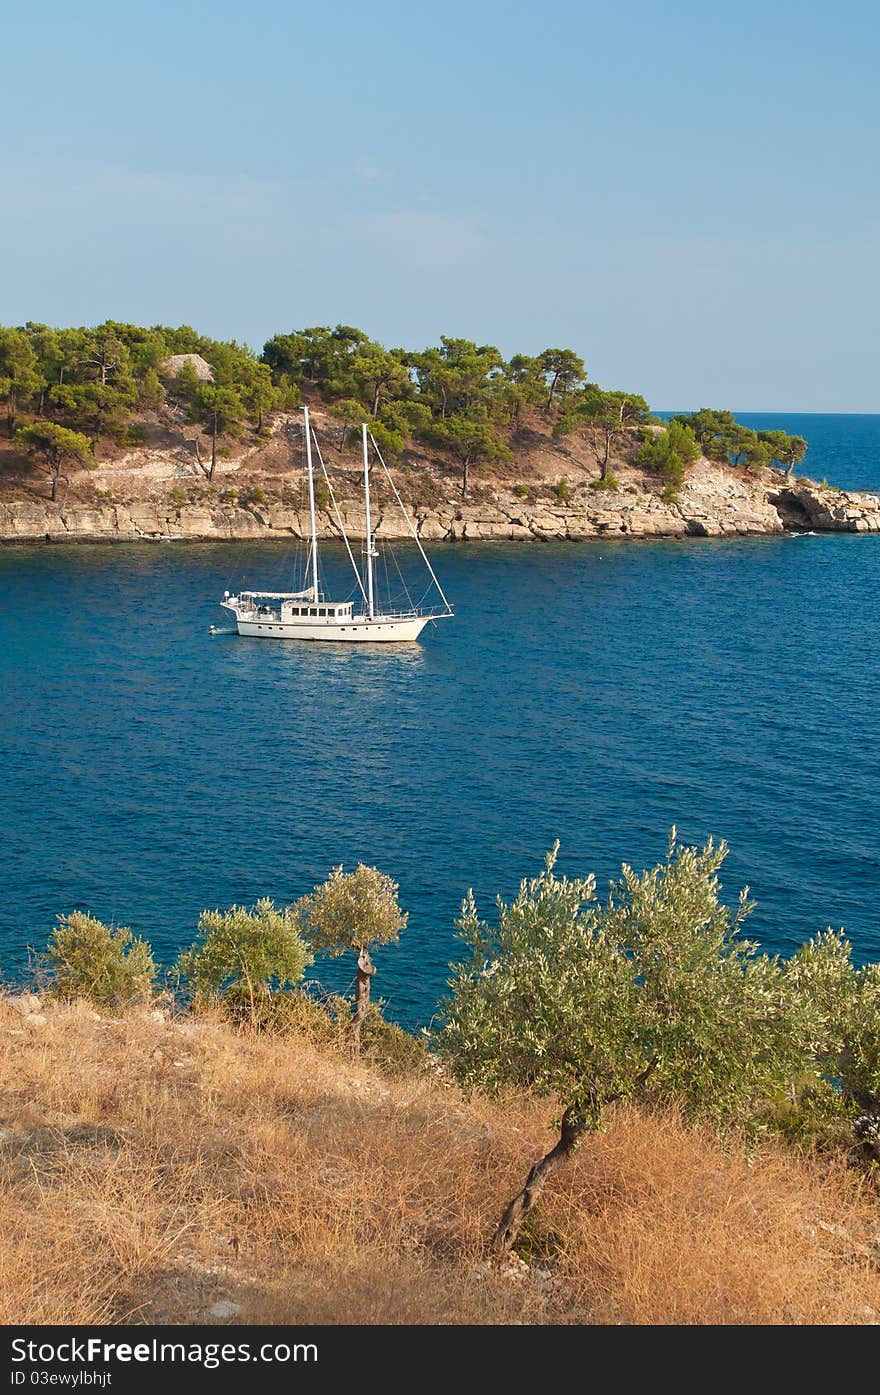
(757, 455)
(563, 371)
(457, 376)
(353, 911)
(217, 410)
(667, 453)
(788, 450)
(72, 345)
(285, 355)
(407, 414)
(523, 386)
(180, 340)
(721, 437)
(56, 447)
(20, 375)
(595, 1003)
(318, 355)
(603, 419)
(46, 344)
(105, 355)
(243, 953)
(187, 382)
(109, 966)
(711, 428)
(258, 393)
(151, 393)
(375, 375)
(349, 412)
(739, 447)
(148, 349)
(388, 438)
(472, 439)
(101, 409)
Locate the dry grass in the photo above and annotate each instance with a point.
(149, 1171)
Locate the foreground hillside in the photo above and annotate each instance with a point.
(175, 1170)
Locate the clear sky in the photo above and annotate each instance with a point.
(686, 192)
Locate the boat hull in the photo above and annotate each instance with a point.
(359, 630)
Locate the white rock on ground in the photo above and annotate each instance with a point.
(25, 1003)
(225, 1309)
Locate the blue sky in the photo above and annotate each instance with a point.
(686, 193)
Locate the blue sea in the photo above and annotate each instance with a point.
(597, 693)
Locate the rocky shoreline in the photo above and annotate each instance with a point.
(715, 502)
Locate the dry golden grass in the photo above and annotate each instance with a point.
(149, 1171)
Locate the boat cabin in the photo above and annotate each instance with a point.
(302, 610)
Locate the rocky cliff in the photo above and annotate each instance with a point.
(715, 502)
(548, 491)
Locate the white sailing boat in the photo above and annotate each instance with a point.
(308, 613)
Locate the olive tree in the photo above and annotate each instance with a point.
(654, 990)
(242, 953)
(106, 964)
(354, 911)
(841, 1004)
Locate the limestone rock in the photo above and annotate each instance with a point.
(25, 1003)
(225, 1309)
(714, 502)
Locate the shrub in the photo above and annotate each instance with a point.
(253, 495)
(668, 453)
(242, 953)
(389, 1047)
(135, 434)
(178, 496)
(563, 491)
(521, 491)
(609, 482)
(322, 1022)
(109, 966)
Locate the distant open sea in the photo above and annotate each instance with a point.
(597, 693)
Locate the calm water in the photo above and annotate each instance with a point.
(597, 693)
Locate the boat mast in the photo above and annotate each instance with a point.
(370, 607)
(411, 525)
(308, 431)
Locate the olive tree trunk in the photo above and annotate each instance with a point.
(577, 1120)
(365, 971)
(573, 1126)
